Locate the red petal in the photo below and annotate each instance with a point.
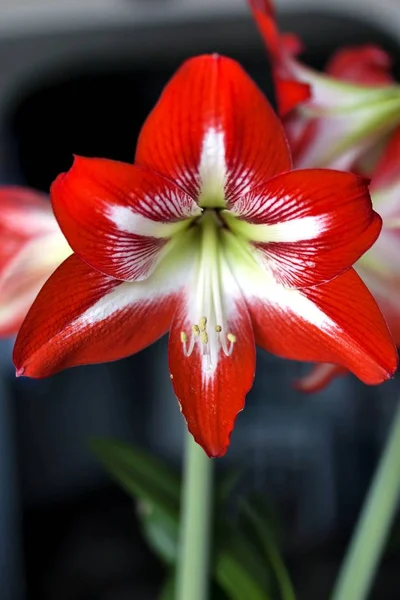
(210, 398)
(292, 43)
(264, 16)
(338, 322)
(310, 225)
(365, 65)
(290, 94)
(84, 317)
(213, 126)
(319, 377)
(387, 170)
(117, 216)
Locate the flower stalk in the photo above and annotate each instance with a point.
(193, 565)
(369, 539)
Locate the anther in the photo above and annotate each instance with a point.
(204, 337)
(184, 337)
(231, 337)
(203, 323)
(218, 328)
(196, 330)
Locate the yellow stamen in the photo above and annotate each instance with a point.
(184, 337)
(231, 337)
(203, 323)
(196, 330)
(218, 328)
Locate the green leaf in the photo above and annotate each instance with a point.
(271, 552)
(142, 476)
(161, 530)
(239, 571)
(168, 591)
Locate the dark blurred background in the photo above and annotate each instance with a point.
(82, 80)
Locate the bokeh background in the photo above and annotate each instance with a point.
(80, 77)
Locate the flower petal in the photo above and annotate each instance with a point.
(383, 279)
(82, 317)
(366, 64)
(351, 118)
(213, 132)
(308, 226)
(24, 275)
(210, 384)
(25, 214)
(319, 377)
(338, 322)
(32, 246)
(119, 217)
(386, 172)
(290, 92)
(264, 16)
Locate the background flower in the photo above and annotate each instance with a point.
(32, 247)
(346, 114)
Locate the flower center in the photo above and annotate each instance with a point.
(209, 305)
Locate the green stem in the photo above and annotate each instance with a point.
(195, 526)
(366, 547)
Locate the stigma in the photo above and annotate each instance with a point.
(201, 338)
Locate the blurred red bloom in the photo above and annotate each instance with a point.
(351, 106)
(31, 248)
(212, 237)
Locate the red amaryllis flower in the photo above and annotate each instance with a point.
(347, 112)
(31, 248)
(379, 267)
(209, 236)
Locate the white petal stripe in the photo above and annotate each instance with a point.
(296, 230)
(127, 220)
(212, 169)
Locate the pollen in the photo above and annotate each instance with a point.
(208, 344)
(204, 337)
(203, 323)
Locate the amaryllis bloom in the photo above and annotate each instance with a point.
(31, 248)
(379, 267)
(343, 119)
(211, 237)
